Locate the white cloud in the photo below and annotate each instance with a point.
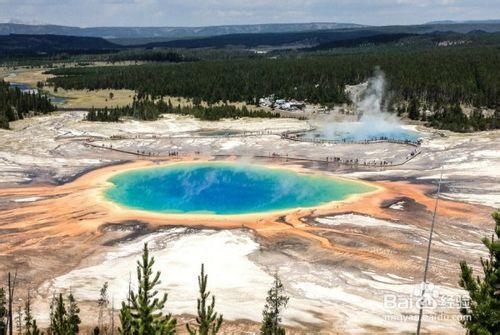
(215, 12)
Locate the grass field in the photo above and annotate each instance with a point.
(74, 98)
(86, 98)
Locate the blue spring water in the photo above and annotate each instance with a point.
(26, 88)
(356, 131)
(225, 188)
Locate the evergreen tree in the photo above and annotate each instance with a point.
(467, 76)
(35, 330)
(3, 312)
(276, 301)
(28, 317)
(144, 314)
(73, 319)
(19, 320)
(30, 326)
(149, 110)
(15, 104)
(125, 320)
(58, 316)
(482, 317)
(64, 321)
(125, 314)
(413, 112)
(207, 321)
(102, 304)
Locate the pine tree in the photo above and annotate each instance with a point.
(144, 315)
(28, 317)
(102, 304)
(482, 317)
(3, 312)
(58, 323)
(125, 320)
(276, 301)
(413, 112)
(30, 326)
(207, 321)
(64, 321)
(73, 319)
(35, 330)
(19, 320)
(125, 313)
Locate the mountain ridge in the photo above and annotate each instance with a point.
(492, 21)
(168, 32)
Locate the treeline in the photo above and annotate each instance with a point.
(24, 45)
(15, 104)
(148, 110)
(438, 77)
(142, 313)
(452, 117)
(280, 39)
(130, 55)
(361, 41)
(149, 56)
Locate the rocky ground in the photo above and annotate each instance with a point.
(375, 260)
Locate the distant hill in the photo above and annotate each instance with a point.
(329, 39)
(168, 32)
(153, 35)
(375, 39)
(295, 39)
(465, 22)
(406, 40)
(28, 45)
(462, 28)
(23, 45)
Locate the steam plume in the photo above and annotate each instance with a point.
(374, 122)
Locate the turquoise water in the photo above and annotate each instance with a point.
(225, 188)
(357, 131)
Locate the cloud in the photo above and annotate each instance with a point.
(218, 12)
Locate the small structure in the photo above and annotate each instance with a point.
(282, 104)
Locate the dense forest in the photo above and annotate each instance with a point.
(306, 38)
(453, 118)
(427, 79)
(360, 41)
(149, 110)
(15, 105)
(328, 39)
(30, 45)
(432, 77)
(148, 56)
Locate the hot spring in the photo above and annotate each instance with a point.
(359, 131)
(374, 122)
(225, 188)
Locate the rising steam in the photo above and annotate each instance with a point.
(374, 122)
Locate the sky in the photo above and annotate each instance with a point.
(85, 13)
